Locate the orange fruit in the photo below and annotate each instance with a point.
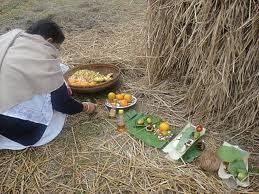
(119, 97)
(111, 96)
(123, 102)
(164, 126)
(128, 97)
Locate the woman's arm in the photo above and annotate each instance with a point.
(63, 102)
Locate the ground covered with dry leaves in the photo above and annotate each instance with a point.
(89, 156)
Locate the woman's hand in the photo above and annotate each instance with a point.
(89, 107)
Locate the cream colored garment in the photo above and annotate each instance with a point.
(38, 109)
(29, 66)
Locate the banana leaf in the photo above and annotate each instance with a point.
(230, 153)
(140, 133)
(192, 153)
(237, 166)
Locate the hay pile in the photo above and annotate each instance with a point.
(211, 49)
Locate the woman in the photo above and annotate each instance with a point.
(34, 97)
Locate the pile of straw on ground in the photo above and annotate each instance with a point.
(211, 49)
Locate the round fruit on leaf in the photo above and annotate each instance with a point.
(128, 97)
(196, 134)
(199, 128)
(123, 103)
(119, 97)
(140, 122)
(242, 176)
(149, 120)
(111, 96)
(164, 126)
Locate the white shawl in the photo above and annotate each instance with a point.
(29, 66)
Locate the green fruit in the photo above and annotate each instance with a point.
(140, 122)
(242, 176)
(242, 171)
(149, 120)
(196, 135)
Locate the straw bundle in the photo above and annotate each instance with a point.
(212, 49)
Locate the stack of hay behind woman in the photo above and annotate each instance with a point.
(212, 47)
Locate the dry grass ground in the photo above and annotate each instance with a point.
(89, 156)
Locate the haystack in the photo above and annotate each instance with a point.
(211, 50)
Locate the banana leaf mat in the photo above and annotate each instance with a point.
(140, 133)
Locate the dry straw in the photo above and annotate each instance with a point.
(211, 48)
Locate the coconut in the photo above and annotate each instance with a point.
(209, 161)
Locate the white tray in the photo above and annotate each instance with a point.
(224, 175)
(174, 154)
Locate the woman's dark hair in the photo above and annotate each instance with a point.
(47, 29)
